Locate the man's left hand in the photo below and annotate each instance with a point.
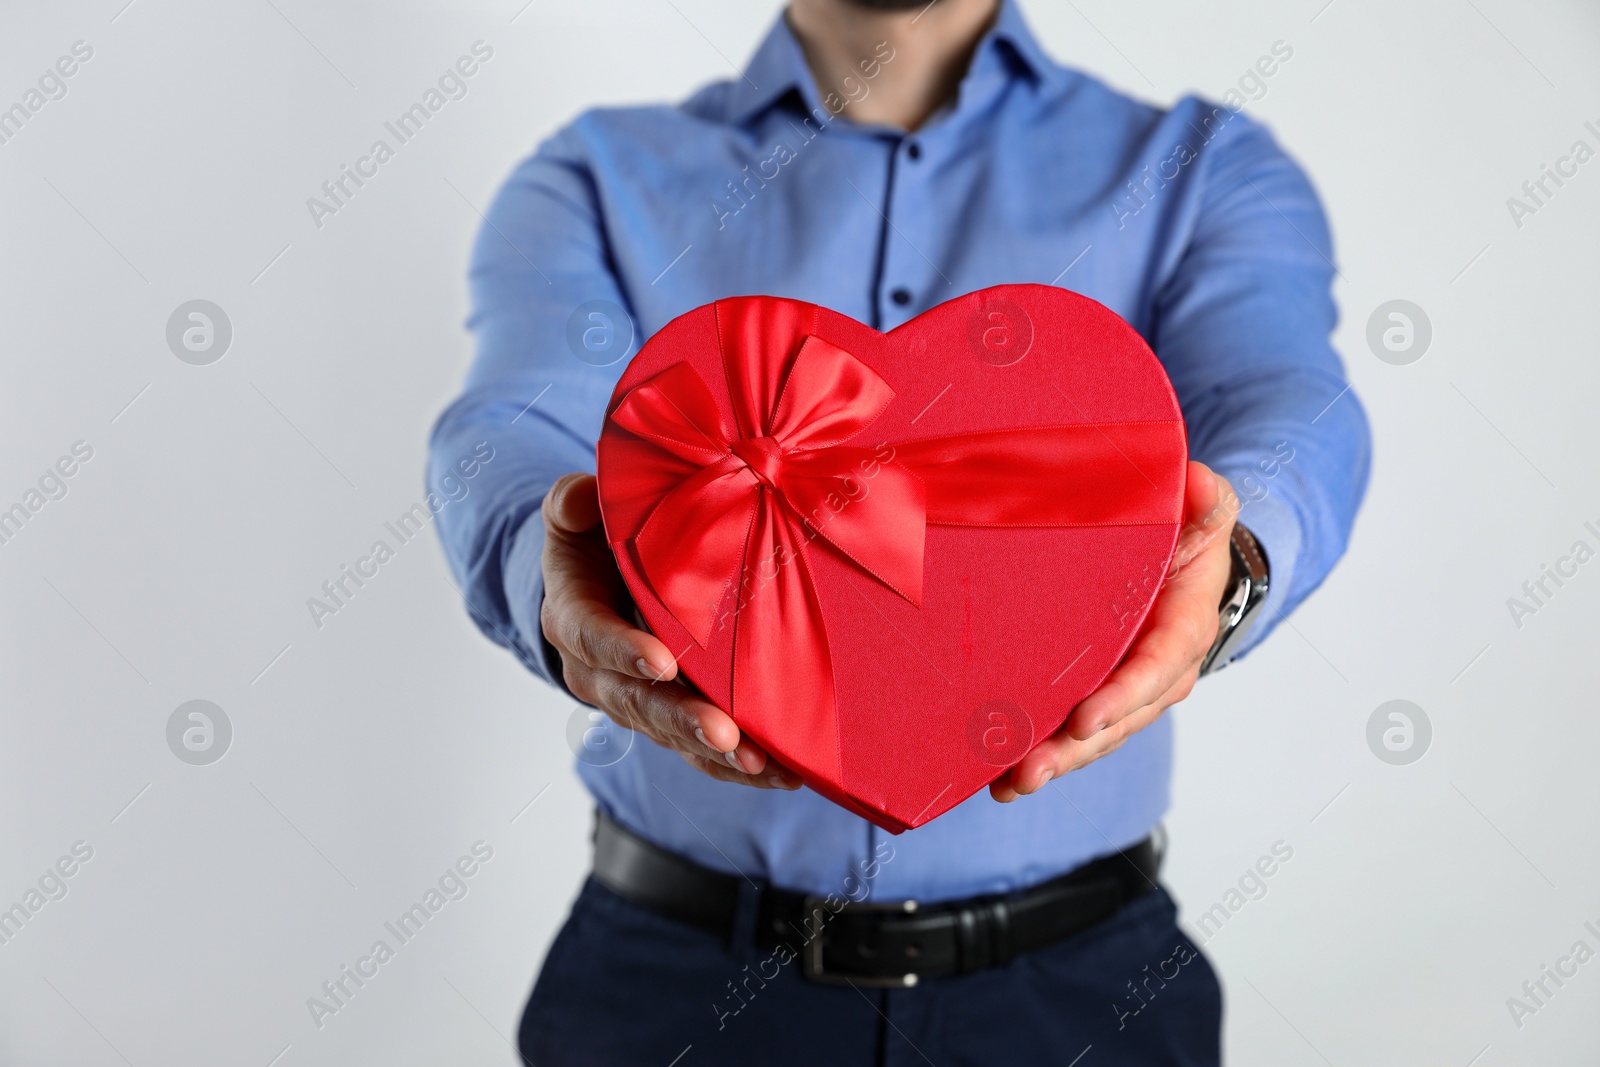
(1164, 662)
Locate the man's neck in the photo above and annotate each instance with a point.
(931, 47)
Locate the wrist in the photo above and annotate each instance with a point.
(524, 591)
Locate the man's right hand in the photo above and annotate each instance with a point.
(622, 670)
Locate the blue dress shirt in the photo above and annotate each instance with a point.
(1190, 223)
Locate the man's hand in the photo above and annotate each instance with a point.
(1164, 662)
(622, 670)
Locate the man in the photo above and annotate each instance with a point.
(878, 158)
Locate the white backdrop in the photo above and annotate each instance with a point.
(367, 757)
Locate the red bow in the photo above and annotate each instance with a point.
(735, 508)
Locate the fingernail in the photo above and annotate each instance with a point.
(1045, 780)
(777, 781)
(701, 735)
(733, 760)
(645, 669)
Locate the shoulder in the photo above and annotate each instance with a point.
(1233, 143)
(1194, 126)
(1241, 171)
(608, 135)
(635, 144)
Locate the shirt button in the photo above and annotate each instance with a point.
(914, 150)
(901, 296)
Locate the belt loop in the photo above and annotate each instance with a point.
(1003, 951)
(983, 935)
(970, 931)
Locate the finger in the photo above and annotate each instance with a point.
(1173, 643)
(666, 713)
(1160, 658)
(1050, 759)
(716, 730)
(581, 625)
(771, 779)
(1174, 638)
(670, 715)
(1109, 740)
(1061, 754)
(1001, 789)
(790, 777)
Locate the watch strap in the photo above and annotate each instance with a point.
(1242, 601)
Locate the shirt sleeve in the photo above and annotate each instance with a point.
(540, 260)
(1242, 323)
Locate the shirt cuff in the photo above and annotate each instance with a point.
(1276, 528)
(524, 587)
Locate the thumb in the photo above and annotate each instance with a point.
(1210, 507)
(573, 503)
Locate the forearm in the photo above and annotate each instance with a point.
(493, 536)
(1243, 325)
(1298, 459)
(536, 400)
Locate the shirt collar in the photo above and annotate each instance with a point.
(779, 66)
(1011, 37)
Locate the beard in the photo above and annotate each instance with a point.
(890, 5)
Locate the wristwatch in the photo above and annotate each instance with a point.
(1244, 598)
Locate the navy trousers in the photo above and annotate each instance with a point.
(625, 986)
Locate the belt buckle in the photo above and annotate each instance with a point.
(811, 958)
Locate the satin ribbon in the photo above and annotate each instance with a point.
(736, 507)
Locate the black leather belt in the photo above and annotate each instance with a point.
(875, 944)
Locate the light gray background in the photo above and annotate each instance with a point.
(369, 755)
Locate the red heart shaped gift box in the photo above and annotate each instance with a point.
(897, 560)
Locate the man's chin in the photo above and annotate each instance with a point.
(888, 5)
